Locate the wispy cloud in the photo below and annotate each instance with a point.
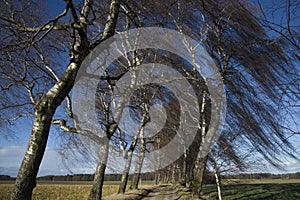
(292, 166)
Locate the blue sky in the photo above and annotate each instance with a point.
(12, 149)
(12, 155)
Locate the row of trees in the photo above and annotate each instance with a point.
(256, 58)
(90, 177)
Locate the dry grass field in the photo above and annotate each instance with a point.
(59, 191)
(63, 190)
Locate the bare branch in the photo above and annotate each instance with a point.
(17, 117)
(63, 125)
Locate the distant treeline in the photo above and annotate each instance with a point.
(263, 176)
(6, 178)
(150, 176)
(82, 177)
(90, 177)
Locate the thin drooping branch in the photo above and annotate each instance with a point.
(111, 23)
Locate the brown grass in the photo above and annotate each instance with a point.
(58, 191)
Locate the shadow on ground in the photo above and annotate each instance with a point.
(274, 191)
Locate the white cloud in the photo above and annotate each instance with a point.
(10, 159)
(291, 166)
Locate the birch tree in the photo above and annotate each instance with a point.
(25, 35)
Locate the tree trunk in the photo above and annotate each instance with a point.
(173, 179)
(218, 184)
(109, 30)
(167, 177)
(43, 114)
(129, 155)
(157, 178)
(26, 179)
(184, 168)
(135, 180)
(179, 174)
(201, 162)
(96, 192)
(188, 169)
(125, 174)
(138, 168)
(198, 180)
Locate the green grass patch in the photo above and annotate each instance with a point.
(255, 191)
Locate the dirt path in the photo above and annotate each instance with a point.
(167, 192)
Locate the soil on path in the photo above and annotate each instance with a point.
(167, 192)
